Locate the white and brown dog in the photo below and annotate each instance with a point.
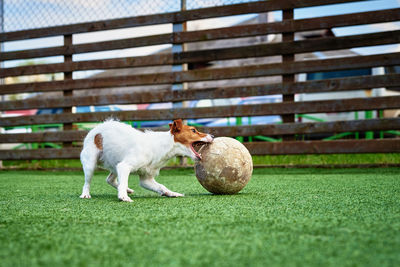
(123, 150)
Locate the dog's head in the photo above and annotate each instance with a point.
(187, 137)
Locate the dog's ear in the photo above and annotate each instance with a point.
(176, 126)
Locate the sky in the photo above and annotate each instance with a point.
(24, 14)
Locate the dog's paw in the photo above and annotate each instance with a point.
(130, 191)
(85, 196)
(172, 194)
(125, 199)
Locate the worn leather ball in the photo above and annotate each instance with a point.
(226, 166)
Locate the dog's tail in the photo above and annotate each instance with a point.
(92, 148)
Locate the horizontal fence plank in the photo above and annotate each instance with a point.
(173, 17)
(46, 153)
(324, 147)
(86, 48)
(209, 74)
(101, 64)
(232, 131)
(285, 26)
(295, 47)
(325, 106)
(203, 35)
(43, 137)
(306, 128)
(303, 46)
(255, 148)
(327, 85)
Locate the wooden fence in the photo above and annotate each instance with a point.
(292, 132)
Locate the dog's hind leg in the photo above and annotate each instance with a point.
(89, 157)
(112, 180)
(148, 182)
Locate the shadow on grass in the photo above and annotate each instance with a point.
(107, 196)
(113, 197)
(216, 195)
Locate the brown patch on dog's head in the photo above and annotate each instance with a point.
(185, 134)
(188, 135)
(98, 141)
(176, 126)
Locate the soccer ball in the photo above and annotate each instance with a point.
(226, 166)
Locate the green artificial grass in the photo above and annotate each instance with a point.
(283, 217)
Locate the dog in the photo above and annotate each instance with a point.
(123, 150)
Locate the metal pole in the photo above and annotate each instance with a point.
(1, 44)
(177, 48)
(1, 62)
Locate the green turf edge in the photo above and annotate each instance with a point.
(276, 160)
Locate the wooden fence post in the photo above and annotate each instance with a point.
(288, 78)
(66, 93)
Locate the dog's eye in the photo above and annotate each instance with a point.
(194, 130)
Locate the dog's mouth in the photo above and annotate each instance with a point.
(195, 147)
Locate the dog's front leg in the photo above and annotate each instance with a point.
(149, 183)
(123, 171)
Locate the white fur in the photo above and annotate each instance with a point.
(127, 150)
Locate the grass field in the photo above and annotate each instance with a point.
(284, 217)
